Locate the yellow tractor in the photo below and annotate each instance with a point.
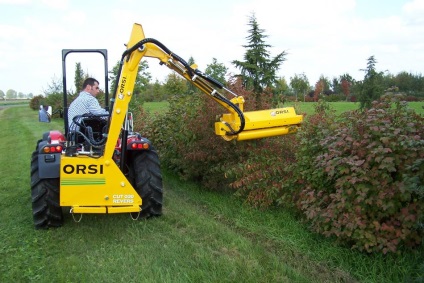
(106, 167)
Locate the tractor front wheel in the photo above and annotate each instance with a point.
(147, 181)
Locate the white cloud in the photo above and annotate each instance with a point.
(56, 4)
(75, 18)
(15, 2)
(328, 37)
(413, 12)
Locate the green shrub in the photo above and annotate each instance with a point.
(185, 139)
(260, 179)
(36, 101)
(358, 177)
(361, 179)
(187, 144)
(334, 97)
(55, 100)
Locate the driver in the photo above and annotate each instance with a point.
(86, 102)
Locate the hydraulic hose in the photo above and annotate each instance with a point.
(190, 73)
(237, 110)
(163, 47)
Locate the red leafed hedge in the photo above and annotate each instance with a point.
(361, 178)
(358, 177)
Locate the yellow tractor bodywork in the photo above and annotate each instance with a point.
(89, 185)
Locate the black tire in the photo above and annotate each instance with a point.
(46, 210)
(147, 181)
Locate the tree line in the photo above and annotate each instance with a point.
(13, 94)
(258, 73)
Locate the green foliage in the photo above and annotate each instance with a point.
(186, 142)
(36, 101)
(141, 82)
(154, 92)
(54, 87)
(79, 77)
(338, 172)
(300, 85)
(175, 85)
(372, 86)
(334, 97)
(360, 179)
(217, 71)
(11, 94)
(55, 100)
(411, 84)
(260, 177)
(142, 79)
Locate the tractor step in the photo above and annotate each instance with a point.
(105, 209)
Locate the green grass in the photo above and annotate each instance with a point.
(301, 107)
(340, 107)
(156, 106)
(202, 236)
(14, 102)
(309, 107)
(417, 106)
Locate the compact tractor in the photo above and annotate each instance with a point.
(102, 166)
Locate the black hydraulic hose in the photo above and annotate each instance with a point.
(190, 73)
(91, 139)
(163, 47)
(209, 79)
(89, 129)
(237, 110)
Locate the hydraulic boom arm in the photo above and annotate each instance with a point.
(236, 124)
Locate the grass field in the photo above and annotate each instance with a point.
(14, 102)
(301, 107)
(202, 236)
(340, 107)
(156, 106)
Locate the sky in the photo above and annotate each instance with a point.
(322, 38)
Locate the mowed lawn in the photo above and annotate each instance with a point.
(301, 107)
(202, 236)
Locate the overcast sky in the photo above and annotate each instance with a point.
(327, 37)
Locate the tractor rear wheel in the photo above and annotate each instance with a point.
(147, 181)
(46, 210)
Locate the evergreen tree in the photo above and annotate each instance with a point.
(190, 87)
(258, 70)
(371, 87)
(79, 77)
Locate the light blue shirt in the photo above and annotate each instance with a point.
(84, 103)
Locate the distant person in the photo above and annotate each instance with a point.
(86, 102)
(43, 114)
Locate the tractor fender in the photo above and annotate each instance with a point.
(48, 163)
